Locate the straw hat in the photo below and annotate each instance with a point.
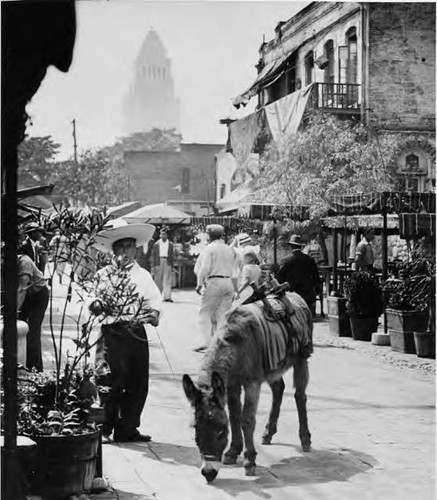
(243, 238)
(141, 233)
(33, 226)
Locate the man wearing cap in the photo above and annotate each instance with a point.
(163, 257)
(301, 272)
(214, 276)
(126, 348)
(31, 245)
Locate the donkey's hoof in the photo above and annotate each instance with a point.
(266, 439)
(230, 459)
(250, 469)
(306, 447)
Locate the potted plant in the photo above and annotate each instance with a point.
(55, 405)
(364, 304)
(408, 300)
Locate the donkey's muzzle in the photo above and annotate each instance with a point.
(210, 469)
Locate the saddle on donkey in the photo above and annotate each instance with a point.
(281, 316)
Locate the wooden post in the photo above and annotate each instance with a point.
(275, 243)
(334, 260)
(384, 257)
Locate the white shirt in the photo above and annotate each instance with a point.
(217, 260)
(144, 286)
(163, 248)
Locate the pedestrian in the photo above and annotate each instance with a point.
(364, 258)
(301, 272)
(255, 244)
(32, 301)
(251, 272)
(214, 277)
(60, 253)
(239, 243)
(163, 259)
(124, 336)
(31, 245)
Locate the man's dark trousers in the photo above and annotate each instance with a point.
(32, 312)
(127, 354)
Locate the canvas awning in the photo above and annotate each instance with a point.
(243, 135)
(416, 225)
(268, 75)
(159, 213)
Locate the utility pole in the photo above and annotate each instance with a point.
(74, 140)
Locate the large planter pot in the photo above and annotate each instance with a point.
(338, 317)
(64, 465)
(408, 321)
(402, 341)
(362, 328)
(425, 344)
(22, 330)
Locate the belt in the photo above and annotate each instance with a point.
(218, 276)
(163, 257)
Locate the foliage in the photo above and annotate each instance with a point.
(154, 140)
(40, 414)
(96, 179)
(329, 157)
(364, 295)
(36, 157)
(414, 289)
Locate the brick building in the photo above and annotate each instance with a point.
(184, 178)
(371, 61)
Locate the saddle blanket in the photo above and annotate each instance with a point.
(290, 334)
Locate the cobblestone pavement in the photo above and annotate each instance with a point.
(371, 413)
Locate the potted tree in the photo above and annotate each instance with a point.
(364, 304)
(55, 405)
(408, 300)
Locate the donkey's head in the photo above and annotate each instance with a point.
(210, 422)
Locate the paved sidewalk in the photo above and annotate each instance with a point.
(371, 416)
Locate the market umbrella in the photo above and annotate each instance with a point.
(158, 214)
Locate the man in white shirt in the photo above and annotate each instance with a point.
(125, 300)
(163, 257)
(214, 277)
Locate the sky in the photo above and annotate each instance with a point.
(213, 47)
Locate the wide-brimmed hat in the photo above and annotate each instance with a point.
(296, 240)
(141, 233)
(215, 230)
(243, 238)
(33, 226)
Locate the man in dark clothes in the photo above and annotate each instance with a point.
(301, 272)
(31, 245)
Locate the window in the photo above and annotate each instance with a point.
(352, 60)
(309, 66)
(222, 191)
(185, 187)
(329, 69)
(412, 162)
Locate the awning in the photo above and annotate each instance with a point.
(265, 77)
(284, 116)
(159, 213)
(233, 200)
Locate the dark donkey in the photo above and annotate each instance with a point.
(237, 358)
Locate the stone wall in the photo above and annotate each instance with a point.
(402, 65)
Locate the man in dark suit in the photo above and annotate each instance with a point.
(301, 272)
(162, 264)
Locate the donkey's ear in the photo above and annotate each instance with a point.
(191, 391)
(218, 386)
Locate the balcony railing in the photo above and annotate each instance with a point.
(336, 97)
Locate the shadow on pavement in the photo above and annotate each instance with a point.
(318, 466)
(173, 454)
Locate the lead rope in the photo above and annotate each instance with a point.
(166, 357)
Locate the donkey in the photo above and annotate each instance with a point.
(237, 358)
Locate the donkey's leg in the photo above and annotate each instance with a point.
(301, 376)
(234, 405)
(277, 388)
(248, 420)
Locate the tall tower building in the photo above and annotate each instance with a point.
(151, 102)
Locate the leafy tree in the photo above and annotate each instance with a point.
(36, 158)
(96, 180)
(329, 157)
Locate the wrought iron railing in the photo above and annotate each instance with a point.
(336, 96)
